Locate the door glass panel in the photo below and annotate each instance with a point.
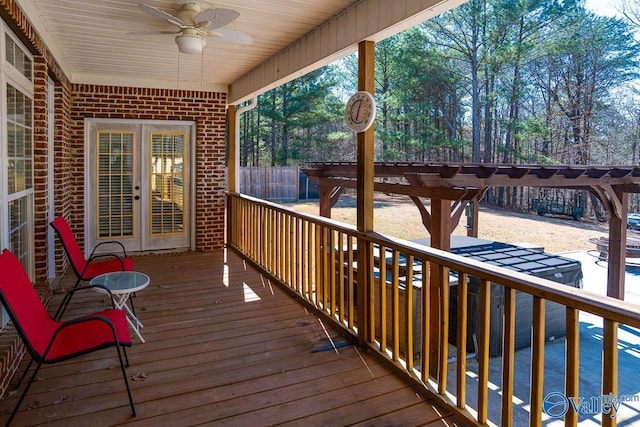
(115, 184)
(167, 178)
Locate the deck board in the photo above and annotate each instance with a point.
(224, 347)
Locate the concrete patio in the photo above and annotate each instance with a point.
(595, 280)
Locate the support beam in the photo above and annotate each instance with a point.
(457, 208)
(234, 152)
(329, 195)
(365, 176)
(365, 168)
(472, 222)
(406, 189)
(424, 213)
(233, 129)
(616, 203)
(617, 244)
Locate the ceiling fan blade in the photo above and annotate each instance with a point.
(231, 36)
(161, 14)
(216, 18)
(149, 33)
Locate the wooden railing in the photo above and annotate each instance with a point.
(348, 276)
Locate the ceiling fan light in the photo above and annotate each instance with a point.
(190, 44)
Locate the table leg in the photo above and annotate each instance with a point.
(121, 303)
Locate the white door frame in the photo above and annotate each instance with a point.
(90, 240)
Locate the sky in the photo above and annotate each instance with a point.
(604, 7)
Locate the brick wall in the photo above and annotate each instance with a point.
(40, 165)
(73, 103)
(63, 168)
(11, 348)
(207, 109)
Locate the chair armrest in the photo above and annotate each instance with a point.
(124, 251)
(82, 319)
(96, 256)
(89, 318)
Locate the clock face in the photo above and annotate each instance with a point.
(360, 111)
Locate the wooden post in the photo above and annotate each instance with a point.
(329, 195)
(234, 152)
(233, 184)
(472, 229)
(325, 200)
(609, 365)
(617, 246)
(365, 175)
(440, 239)
(365, 167)
(615, 288)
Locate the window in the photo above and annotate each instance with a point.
(19, 173)
(18, 57)
(16, 140)
(19, 141)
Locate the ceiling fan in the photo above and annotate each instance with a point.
(196, 24)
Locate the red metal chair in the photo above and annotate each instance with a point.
(50, 341)
(87, 269)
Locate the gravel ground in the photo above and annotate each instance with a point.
(397, 216)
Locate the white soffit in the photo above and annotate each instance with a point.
(95, 41)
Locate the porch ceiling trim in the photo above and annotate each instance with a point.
(366, 20)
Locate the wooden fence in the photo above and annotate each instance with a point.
(270, 183)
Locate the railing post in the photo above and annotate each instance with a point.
(461, 342)
(440, 239)
(483, 351)
(229, 233)
(610, 367)
(572, 364)
(508, 355)
(537, 362)
(364, 282)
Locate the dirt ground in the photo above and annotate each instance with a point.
(397, 216)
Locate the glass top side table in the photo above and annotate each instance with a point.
(122, 284)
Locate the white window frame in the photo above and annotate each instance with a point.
(9, 75)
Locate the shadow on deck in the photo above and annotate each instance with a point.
(224, 346)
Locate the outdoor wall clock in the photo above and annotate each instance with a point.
(360, 111)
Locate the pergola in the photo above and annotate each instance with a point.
(451, 186)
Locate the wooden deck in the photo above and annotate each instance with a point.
(224, 347)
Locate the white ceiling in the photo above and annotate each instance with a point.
(89, 39)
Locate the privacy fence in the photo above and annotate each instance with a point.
(270, 183)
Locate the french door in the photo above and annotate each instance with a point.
(139, 183)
